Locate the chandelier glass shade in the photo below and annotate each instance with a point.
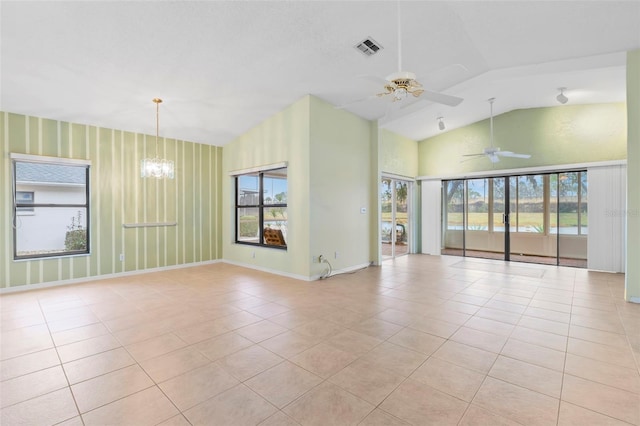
(156, 167)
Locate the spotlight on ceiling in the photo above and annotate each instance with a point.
(562, 98)
(441, 123)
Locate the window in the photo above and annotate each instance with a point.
(24, 197)
(261, 208)
(51, 206)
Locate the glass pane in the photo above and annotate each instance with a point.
(478, 204)
(275, 219)
(568, 206)
(50, 230)
(453, 217)
(247, 220)
(530, 203)
(275, 186)
(402, 218)
(584, 205)
(64, 184)
(249, 190)
(386, 201)
(498, 205)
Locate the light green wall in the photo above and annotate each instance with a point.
(556, 135)
(282, 137)
(118, 196)
(632, 288)
(340, 186)
(398, 154)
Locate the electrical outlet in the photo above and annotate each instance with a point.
(121, 257)
(336, 254)
(320, 258)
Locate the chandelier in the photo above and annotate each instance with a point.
(156, 167)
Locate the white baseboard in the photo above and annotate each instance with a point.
(39, 286)
(268, 270)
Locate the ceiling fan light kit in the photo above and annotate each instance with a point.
(562, 98)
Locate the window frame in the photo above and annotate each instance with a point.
(260, 206)
(56, 161)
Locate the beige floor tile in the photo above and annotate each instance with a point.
(548, 314)
(102, 390)
(238, 406)
(174, 364)
(367, 381)
(603, 399)
(529, 376)
(516, 403)
(199, 332)
(432, 326)
(396, 316)
(534, 354)
(260, 331)
(499, 315)
(26, 364)
(223, 345)
(513, 308)
(52, 408)
(381, 418)
(449, 378)
(268, 310)
(540, 338)
(477, 416)
(279, 419)
(147, 407)
(377, 328)
(328, 404)
(248, 362)
(572, 415)
(196, 386)
(479, 339)
(319, 329)
(155, 347)
(75, 421)
(31, 385)
(24, 341)
(622, 356)
(598, 336)
(602, 372)
(490, 326)
(395, 358)
(97, 365)
(239, 319)
(88, 347)
(291, 319)
(540, 324)
(324, 360)
(345, 317)
(419, 404)
(466, 356)
(178, 420)
(283, 383)
(79, 333)
(417, 341)
(289, 343)
(354, 342)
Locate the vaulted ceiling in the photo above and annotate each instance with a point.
(224, 66)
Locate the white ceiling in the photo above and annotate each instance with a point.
(222, 67)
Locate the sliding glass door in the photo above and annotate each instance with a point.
(540, 218)
(395, 225)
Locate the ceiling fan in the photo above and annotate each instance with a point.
(402, 84)
(492, 152)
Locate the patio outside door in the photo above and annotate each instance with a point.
(395, 223)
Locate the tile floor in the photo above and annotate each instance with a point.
(421, 340)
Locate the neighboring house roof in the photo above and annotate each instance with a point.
(50, 173)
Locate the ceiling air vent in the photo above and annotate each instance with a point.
(368, 46)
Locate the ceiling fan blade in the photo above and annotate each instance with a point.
(441, 98)
(512, 154)
(474, 155)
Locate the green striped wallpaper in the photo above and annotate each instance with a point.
(118, 196)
